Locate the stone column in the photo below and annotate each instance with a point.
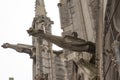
(41, 66)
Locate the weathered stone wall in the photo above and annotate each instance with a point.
(76, 16)
(111, 39)
(81, 16)
(59, 68)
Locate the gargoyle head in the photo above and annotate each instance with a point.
(5, 45)
(34, 32)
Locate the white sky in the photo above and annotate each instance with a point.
(15, 18)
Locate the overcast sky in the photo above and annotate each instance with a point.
(15, 18)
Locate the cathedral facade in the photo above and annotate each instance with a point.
(82, 17)
(90, 41)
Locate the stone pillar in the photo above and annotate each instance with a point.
(42, 67)
(99, 41)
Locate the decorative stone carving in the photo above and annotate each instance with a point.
(44, 21)
(21, 48)
(116, 51)
(67, 42)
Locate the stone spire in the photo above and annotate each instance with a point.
(43, 65)
(40, 8)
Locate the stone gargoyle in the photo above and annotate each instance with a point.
(22, 48)
(28, 49)
(68, 42)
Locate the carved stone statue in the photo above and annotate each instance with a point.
(67, 42)
(21, 48)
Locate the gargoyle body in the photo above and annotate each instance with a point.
(67, 42)
(22, 48)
